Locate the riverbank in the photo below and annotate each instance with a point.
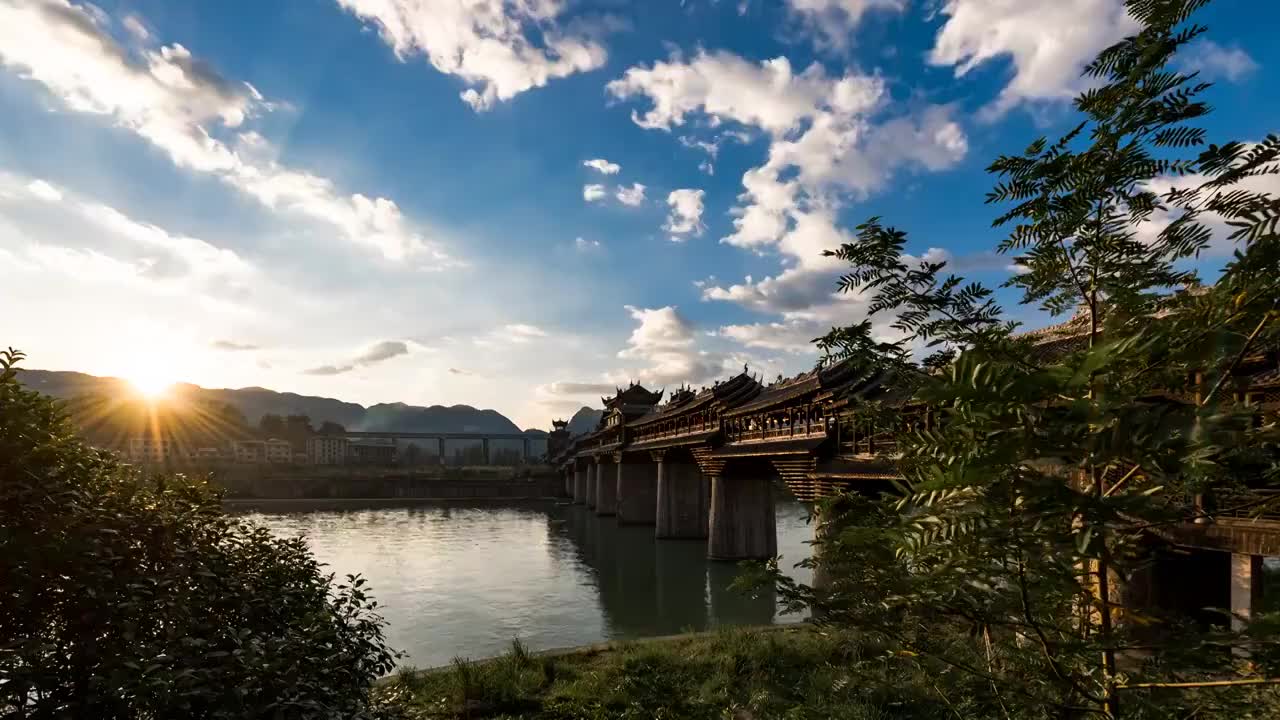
(369, 503)
(305, 483)
(793, 672)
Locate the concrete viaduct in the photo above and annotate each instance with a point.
(703, 465)
(527, 440)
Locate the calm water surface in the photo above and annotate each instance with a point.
(464, 579)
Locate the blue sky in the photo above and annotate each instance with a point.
(514, 204)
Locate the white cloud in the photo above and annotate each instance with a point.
(1217, 62)
(823, 145)
(827, 146)
(593, 192)
(577, 388)
(833, 22)
(603, 166)
(663, 343)
(135, 27)
(183, 106)
(768, 95)
(1220, 244)
(500, 48)
(521, 333)
(232, 346)
(511, 334)
(584, 245)
(89, 242)
(372, 355)
(685, 217)
(1047, 41)
(632, 196)
(45, 191)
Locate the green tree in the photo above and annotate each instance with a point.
(329, 427)
(1056, 472)
(272, 425)
(123, 596)
(297, 429)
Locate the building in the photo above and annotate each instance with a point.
(249, 451)
(327, 449)
(152, 448)
(279, 451)
(207, 453)
(371, 452)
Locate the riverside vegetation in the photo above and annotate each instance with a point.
(984, 587)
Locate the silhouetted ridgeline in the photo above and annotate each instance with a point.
(255, 402)
(584, 421)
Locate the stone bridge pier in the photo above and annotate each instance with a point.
(742, 520)
(637, 488)
(683, 500)
(592, 469)
(606, 477)
(580, 471)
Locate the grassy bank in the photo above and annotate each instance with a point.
(795, 672)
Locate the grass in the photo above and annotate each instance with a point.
(733, 674)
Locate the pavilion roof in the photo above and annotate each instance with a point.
(731, 392)
(635, 395)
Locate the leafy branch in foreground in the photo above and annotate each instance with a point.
(1022, 542)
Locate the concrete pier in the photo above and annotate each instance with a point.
(742, 518)
(592, 469)
(579, 486)
(682, 506)
(637, 493)
(606, 487)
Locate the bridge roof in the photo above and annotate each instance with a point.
(634, 395)
(733, 391)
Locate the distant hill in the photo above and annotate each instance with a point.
(584, 421)
(255, 402)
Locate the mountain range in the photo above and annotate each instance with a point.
(254, 402)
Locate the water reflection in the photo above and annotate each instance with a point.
(458, 579)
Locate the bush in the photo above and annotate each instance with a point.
(128, 596)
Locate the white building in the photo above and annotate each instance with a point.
(152, 448)
(279, 451)
(249, 451)
(327, 450)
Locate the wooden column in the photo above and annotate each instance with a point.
(682, 501)
(637, 492)
(606, 487)
(742, 518)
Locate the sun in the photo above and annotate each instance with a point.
(150, 386)
(151, 377)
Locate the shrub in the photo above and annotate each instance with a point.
(123, 595)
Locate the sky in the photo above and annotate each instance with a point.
(516, 204)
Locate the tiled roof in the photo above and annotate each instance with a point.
(731, 391)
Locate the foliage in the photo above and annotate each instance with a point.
(125, 596)
(1063, 466)
(733, 673)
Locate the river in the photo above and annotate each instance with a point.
(463, 579)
